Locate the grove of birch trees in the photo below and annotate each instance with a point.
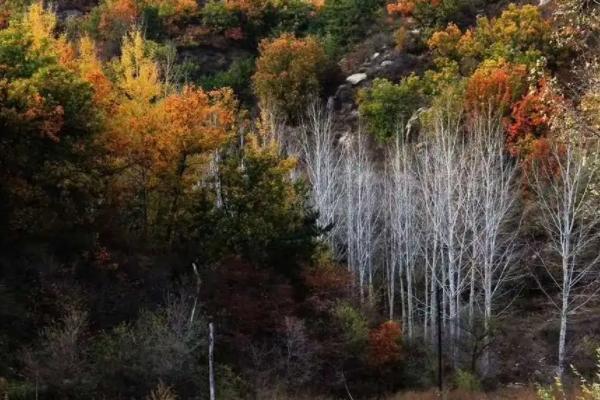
(443, 212)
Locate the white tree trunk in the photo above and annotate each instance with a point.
(211, 369)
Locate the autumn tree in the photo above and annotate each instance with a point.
(288, 73)
(495, 87)
(531, 119)
(160, 146)
(48, 120)
(385, 344)
(519, 35)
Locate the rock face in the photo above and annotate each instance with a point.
(355, 79)
(375, 59)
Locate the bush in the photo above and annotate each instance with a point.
(385, 344)
(346, 21)
(217, 16)
(354, 328)
(387, 107)
(494, 87)
(438, 13)
(159, 346)
(252, 21)
(520, 35)
(433, 14)
(60, 362)
(466, 381)
(237, 77)
(288, 73)
(587, 390)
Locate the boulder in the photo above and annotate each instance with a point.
(355, 79)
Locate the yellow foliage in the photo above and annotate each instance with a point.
(139, 72)
(288, 72)
(91, 70)
(40, 23)
(445, 43)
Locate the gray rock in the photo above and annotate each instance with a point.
(69, 14)
(355, 79)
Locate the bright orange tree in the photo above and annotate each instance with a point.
(530, 121)
(494, 87)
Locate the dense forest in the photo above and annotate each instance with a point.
(299, 199)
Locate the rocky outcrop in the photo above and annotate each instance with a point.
(381, 62)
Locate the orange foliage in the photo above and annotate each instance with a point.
(250, 7)
(385, 344)
(530, 120)
(494, 87)
(406, 8)
(90, 68)
(48, 119)
(288, 72)
(196, 121)
(123, 12)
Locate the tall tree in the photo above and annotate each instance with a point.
(567, 212)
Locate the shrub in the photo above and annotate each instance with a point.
(60, 361)
(587, 390)
(387, 107)
(162, 392)
(434, 13)
(217, 16)
(520, 35)
(530, 119)
(253, 20)
(438, 13)
(494, 87)
(236, 77)
(385, 344)
(288, 73)
(466, 381)
(160, 345)
(345, 21)
(353, 327)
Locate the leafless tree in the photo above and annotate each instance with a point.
(405, 232)
(490, 215)
(61, 361)
(566, 192)
(443, 170)
(323, 166)
(361, 211)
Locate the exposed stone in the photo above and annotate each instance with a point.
(355, 79)
(69, 14)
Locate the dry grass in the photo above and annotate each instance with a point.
(525, 393)
(516, 394)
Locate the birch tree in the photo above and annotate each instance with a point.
(492, 196)
(361, 211)
(442, 175)
(324, 170)
(565, 188)
(402, 197)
